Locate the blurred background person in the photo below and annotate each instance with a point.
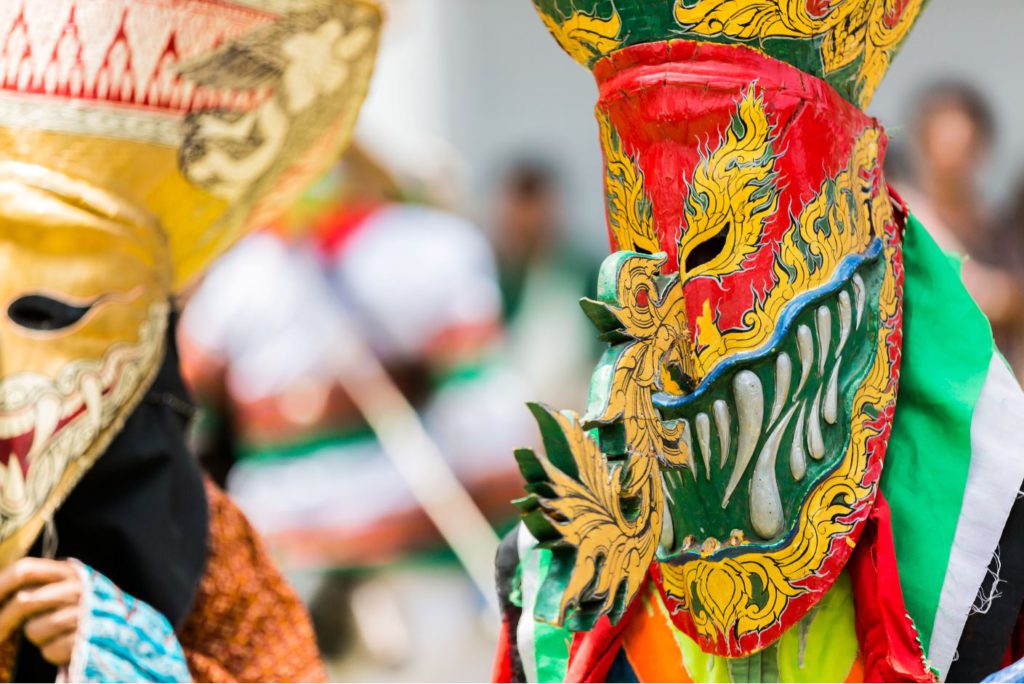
(953, 132)
(543, 276)
(265, 339)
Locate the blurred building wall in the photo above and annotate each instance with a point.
(486, 82)
(483, 83)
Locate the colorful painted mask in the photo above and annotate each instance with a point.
(738, 422)
(138, 140)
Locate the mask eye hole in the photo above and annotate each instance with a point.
(40, 313)
(708, 250)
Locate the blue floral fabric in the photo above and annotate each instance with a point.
(122, 639)
(1014, 673)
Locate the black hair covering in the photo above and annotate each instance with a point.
(139, 516)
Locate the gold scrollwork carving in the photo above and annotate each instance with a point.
(849, 29)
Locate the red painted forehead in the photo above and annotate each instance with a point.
(672, 104)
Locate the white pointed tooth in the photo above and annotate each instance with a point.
(704, 437)
(859, 291)
(823, 319)
(14, 486)
(830, 410)
(92, 397)
(687, 438)
(805, 348)
(721, 411)
(668, 533)
(845, 315)
(815, 442)
(750, 416)
(765, 503)
(797, 455)
(783, 377)
(48, 410)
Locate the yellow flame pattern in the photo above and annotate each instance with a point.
(841, 220)
(732, 192)
(588, 512)
(630, 215)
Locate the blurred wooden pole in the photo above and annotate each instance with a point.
(419, 461)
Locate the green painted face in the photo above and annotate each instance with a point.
(848, 43)
(768, 426)
(764, 429)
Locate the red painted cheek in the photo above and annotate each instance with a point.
(732, 297)
(818, 8)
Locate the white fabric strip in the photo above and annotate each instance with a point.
(529, 562)
(993, 481)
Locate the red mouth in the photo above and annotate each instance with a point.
(21, 445)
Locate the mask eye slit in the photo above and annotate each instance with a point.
(708, 250)
(41, 313)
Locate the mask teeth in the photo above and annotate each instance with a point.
(721, 411)
(75, 399)
(832, 323)
(668, 535)
(815, 440)
(18, 424)
(48, 415)
(92, 397)
(797, 455)
(687, 438)
(766, 514)
(749, 396)
(830, 411)
(704, 439)
(859, 292)
(783, 376)
(845, 319)
(823, 318)
(805, 348)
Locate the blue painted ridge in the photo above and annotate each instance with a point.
(847, 267)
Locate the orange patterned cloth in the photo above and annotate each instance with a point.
(247, 624)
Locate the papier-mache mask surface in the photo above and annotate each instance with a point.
(138, 140)
(738, 422)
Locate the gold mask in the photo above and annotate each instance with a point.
(137, 142)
